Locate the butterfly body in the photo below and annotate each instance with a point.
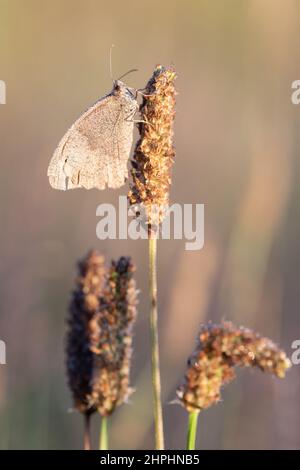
(94, 152)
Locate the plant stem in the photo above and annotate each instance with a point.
(87, 432)
(103, 434)
(192, 430)
(156, 385)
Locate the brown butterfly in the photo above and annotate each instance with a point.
(95, 150)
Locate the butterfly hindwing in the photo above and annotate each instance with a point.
(95, 150)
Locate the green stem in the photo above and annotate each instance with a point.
(87, 432)
(192, 430)
(156, 385)
(103, 434)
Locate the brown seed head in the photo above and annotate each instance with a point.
(112, 341)
(220, 348)
(83, 307)
(154, 152)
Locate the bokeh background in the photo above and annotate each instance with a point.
(237, 147)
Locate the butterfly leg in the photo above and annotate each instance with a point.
(139, 121)
(130, 116)
(139, 91)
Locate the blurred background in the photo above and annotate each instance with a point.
(237, 145)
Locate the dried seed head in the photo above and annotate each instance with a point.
(154, 152)
(220, 348)
(99, 337)
(112, 339)
(83, 307)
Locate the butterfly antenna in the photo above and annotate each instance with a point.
(110, 62)
(129, 71)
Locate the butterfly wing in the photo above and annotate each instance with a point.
(95, 150)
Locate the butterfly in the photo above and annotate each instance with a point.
(95, 150)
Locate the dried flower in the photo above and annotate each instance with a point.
(83, 308)
(99, 337)
(154, 152)
(220, 348)
(112, 338)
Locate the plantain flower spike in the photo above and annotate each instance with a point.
(99, 337)
(112, 338)
(154, 152)
(220, 348)
(84, 306)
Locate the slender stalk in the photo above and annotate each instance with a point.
(156, 385)
(87, 432)
(103, 444)
(192, 430)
